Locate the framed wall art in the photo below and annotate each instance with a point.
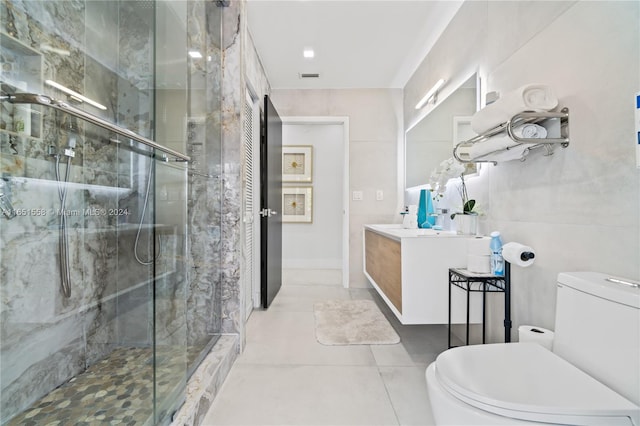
(297, 204)
(297, 163)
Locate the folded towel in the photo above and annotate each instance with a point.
(531, 131)
(531, 97)
(502, 147)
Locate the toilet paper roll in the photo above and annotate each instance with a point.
(479, 246)
(518, 254)
(530, 333)
(479, 264)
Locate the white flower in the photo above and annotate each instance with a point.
(448, 169)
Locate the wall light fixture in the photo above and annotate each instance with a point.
(431, 93)
(75, 95)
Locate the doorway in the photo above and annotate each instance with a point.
(318, 249)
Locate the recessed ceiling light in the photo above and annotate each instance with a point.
(195, 54)
(308, 53)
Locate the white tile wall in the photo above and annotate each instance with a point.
(375, 123)
(578, 208)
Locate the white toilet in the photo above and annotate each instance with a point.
(592, 377)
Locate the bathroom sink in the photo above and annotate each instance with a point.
(389, 226)
(426, 233)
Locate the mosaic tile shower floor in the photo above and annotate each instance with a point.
(115, 390)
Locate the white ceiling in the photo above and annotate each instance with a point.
(357, 43)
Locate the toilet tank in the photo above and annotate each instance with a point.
(598, 328)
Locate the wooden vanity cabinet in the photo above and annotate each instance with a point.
(411, 274)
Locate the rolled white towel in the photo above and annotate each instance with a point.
(502, 147)
(494, 144)
(515, 153)
(530, 97)
(530, 131)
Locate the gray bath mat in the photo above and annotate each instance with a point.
(352, 322)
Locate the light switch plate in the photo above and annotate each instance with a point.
(357, 196)
(379, 195)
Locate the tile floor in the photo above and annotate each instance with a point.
(285, 377)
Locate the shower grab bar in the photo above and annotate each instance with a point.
(37, 99)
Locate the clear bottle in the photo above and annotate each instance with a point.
(497, 262)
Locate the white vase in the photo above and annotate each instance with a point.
(466, 224)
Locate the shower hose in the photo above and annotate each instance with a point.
(63, 239)
(144, 209)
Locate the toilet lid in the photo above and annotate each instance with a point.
(491, 377)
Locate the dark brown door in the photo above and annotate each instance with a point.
(270, 204)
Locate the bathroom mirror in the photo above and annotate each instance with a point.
(432, 139)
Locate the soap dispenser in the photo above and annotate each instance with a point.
(410, 220)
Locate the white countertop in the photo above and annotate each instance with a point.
(397, 232)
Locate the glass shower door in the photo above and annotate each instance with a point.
(93, 240)
(170, 289)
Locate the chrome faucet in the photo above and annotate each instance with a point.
(5, 200)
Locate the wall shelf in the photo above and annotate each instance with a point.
(556, 124)
(20, 71)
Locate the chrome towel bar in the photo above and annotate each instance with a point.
(508, 128)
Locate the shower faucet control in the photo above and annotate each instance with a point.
(72, 128)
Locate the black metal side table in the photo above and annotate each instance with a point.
(472, 282)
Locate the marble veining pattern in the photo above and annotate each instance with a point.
(204, 200)
(112, 295)
(204, 384)
(233, 96)
(39, 327)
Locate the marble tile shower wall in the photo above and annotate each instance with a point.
(111, 296)
(204, 193)
(233, 95)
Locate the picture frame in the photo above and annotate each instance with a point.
(297, 163)
(297, 204)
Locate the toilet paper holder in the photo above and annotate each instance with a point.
(527, 255)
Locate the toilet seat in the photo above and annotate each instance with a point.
(490, 377)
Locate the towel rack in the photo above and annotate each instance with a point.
(37, 99)
(508, 128)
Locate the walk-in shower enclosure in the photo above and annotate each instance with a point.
(109, 240)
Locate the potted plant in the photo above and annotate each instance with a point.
(467, 221)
